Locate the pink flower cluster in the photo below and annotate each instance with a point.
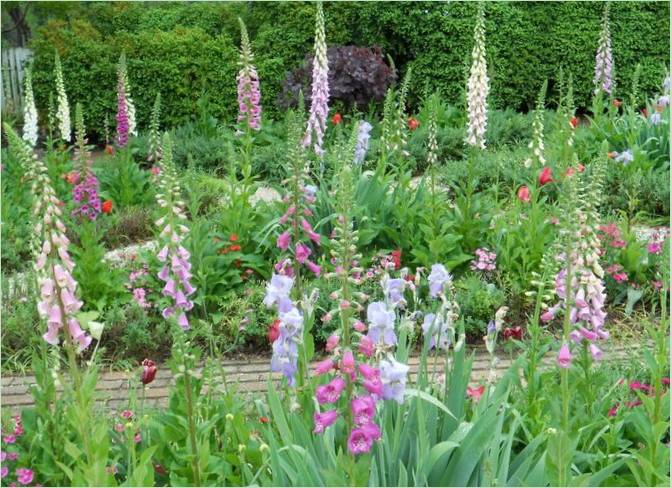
(58, 302)
(176, 272)
(610, 234)
(485, 260)
(374, 384)
(587, 312)
(320, 88)
(249, 97)
(122, 114)
(85, 193)
(24, 476)
(299, 208)
(139, 293)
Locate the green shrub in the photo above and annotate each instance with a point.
(185, 50)
(478, 301)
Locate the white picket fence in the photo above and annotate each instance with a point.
(13, 62)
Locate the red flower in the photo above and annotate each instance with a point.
(410, 277)
(512, 332)
(545, 176)
(148, 371)
(574, 122)
(233, 238)
(396, 258)
(665, 381)
(336, 119)
(234, 247)
(475, 392)
(264, 420)
(109, 149)
(613, 410)
(523, 194)
(569, 172)
(155, 170)
(413, 123)
(160, 469)
(612, 154)
(107, 206)
(644, 112)
(617, 103)
(581, 167)
(274, 331)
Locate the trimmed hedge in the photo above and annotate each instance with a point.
(186, 50)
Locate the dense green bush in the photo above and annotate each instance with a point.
(184, 50)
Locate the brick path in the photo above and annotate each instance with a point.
(247, 376)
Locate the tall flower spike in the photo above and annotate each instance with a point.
(249, 92)
(58, 303)
(320, 89)
(154, 154)
(603, 69)
(401, 130)
(537, 145)
(587, 292)
(130, 106)
(478, 86)
(176, 271)
(63, 111)
(362, 141)
(122, 114)
(85, 192)
(29, 111)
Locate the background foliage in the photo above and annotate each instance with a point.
(186, 50)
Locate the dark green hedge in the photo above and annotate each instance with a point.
(186, 50)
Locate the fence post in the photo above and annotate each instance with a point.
(14, 60)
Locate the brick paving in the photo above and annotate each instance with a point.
(248, 377)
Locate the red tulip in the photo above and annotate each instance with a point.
(413, 123)
(523, 194)
(545, 176)
(148, 371)
(107, 206)
(274, 331)
(574, 122)
(475, 392)
(336, 119)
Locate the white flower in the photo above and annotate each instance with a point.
(29, 113)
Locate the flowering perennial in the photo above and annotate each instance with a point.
(603, 69)
(583, 294)
(85, 192)
(58, 303)
(122, 124)
(362, 141)
(289, 327)
(536, 145)
(478, 87)
(154, 153)
(63, 111)
(249, 93)
(485, 260)
(122, 72)
(439, 327)
(363, 384)
(176, 272)
(320, 88)
(29, 111)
